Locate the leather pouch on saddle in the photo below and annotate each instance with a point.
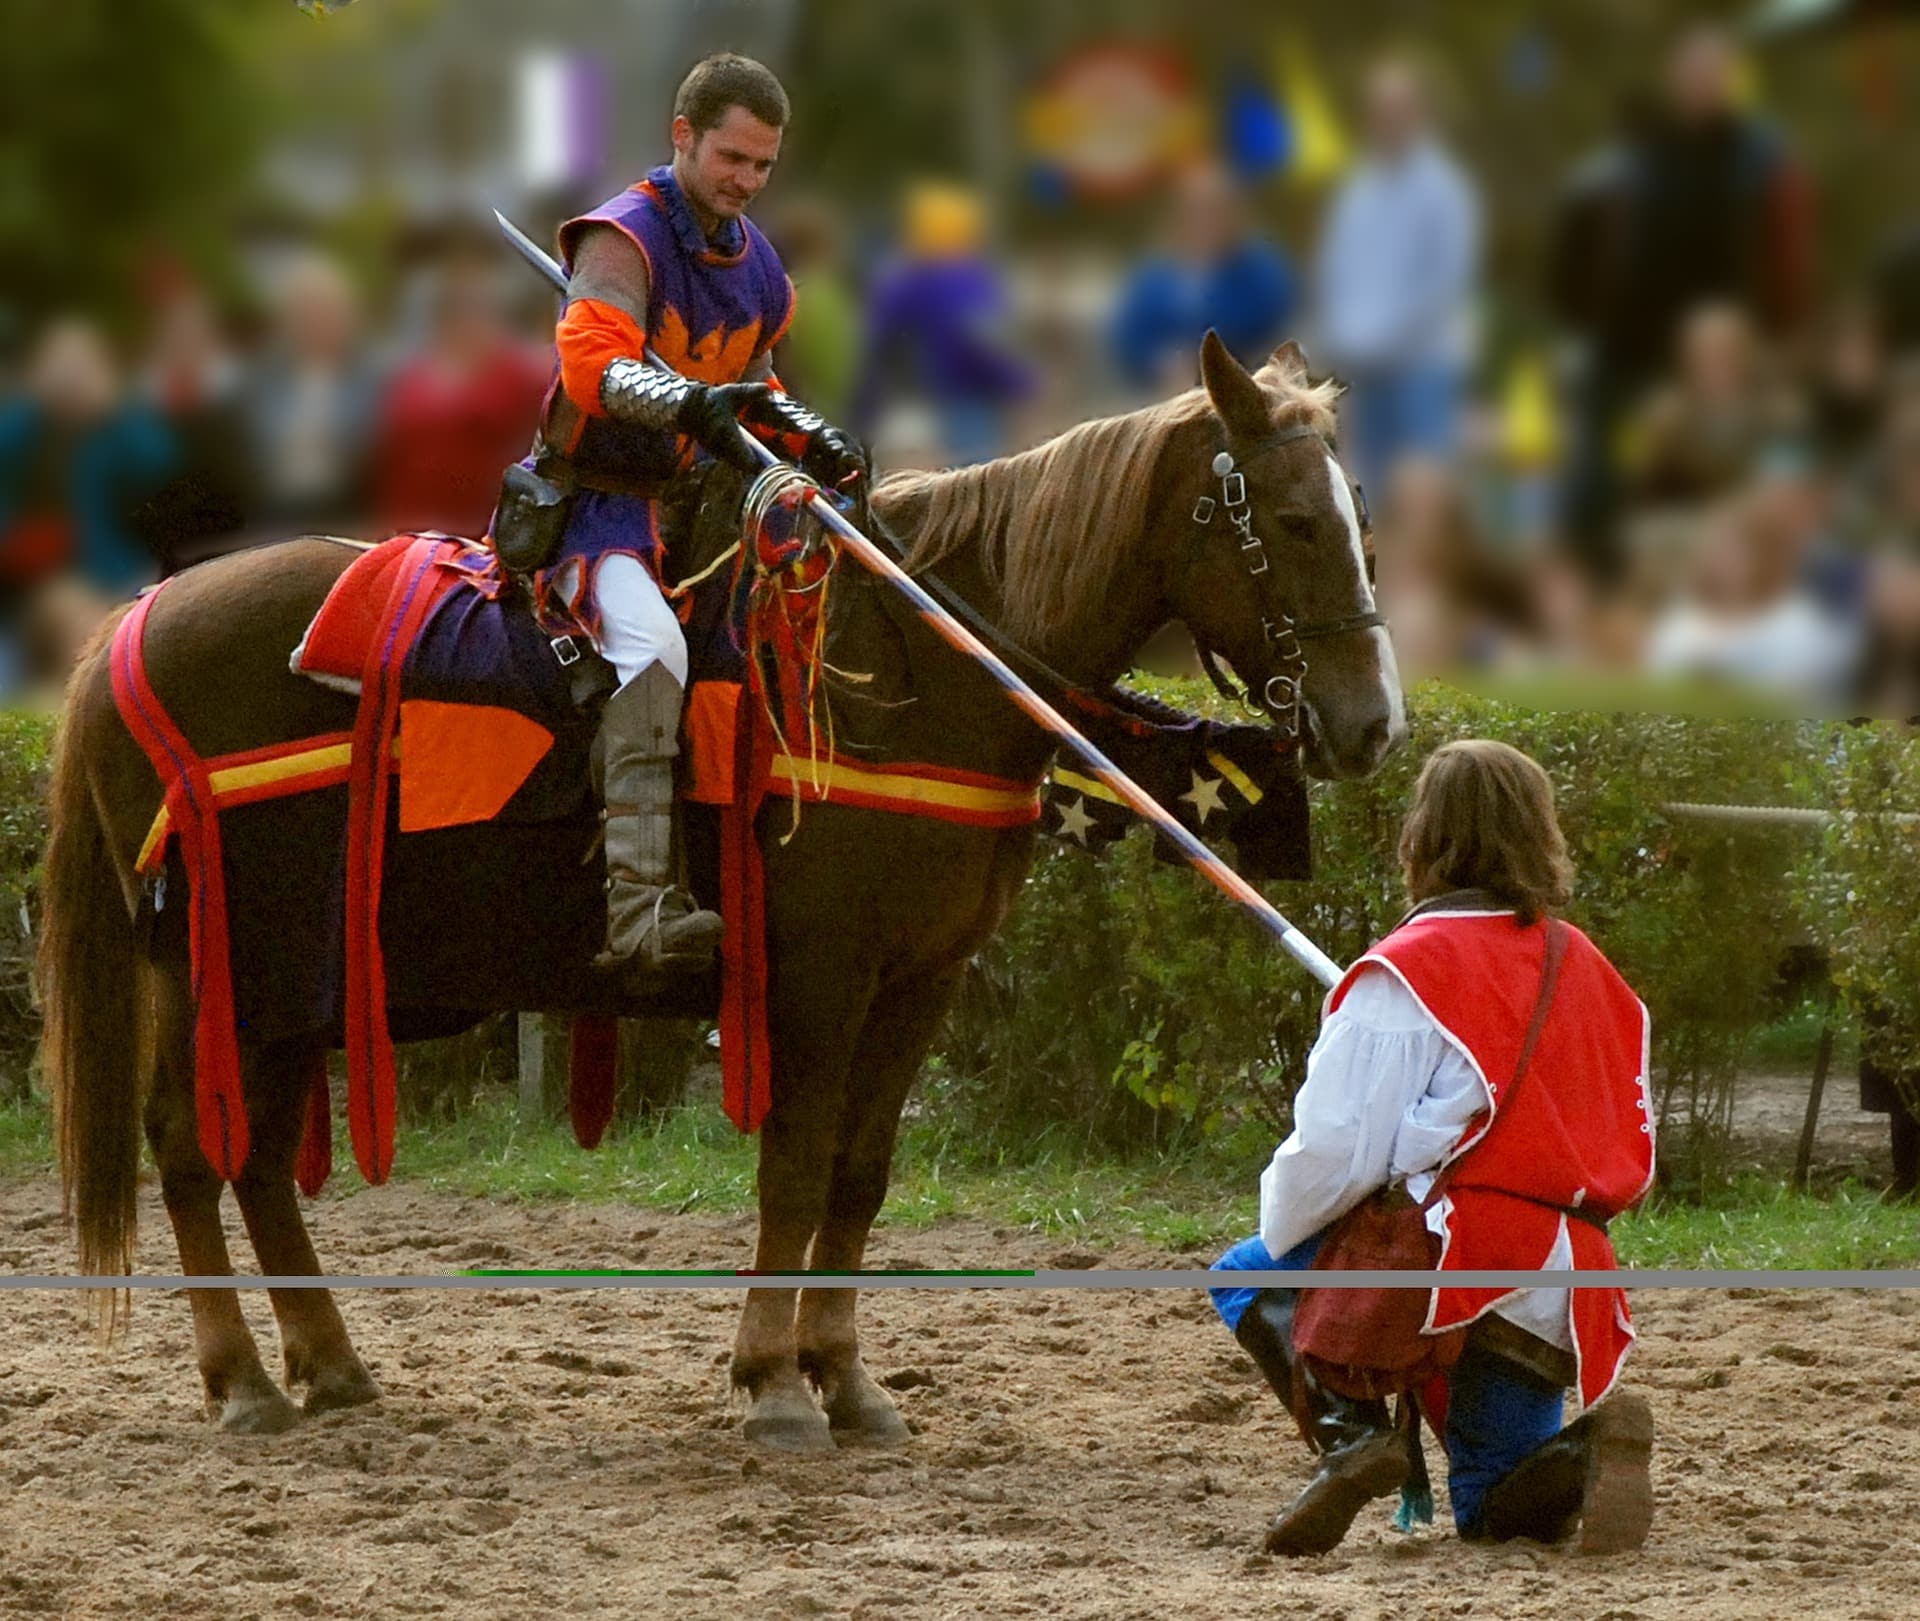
(531, 519)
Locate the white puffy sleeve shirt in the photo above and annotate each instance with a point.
(1388, 1093)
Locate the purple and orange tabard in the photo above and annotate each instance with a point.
(714, 309)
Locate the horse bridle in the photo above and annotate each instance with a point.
(1280, 698)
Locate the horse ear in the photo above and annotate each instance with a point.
(1291, 358)
(1238, 399)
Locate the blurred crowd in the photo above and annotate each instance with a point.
(1703, 465)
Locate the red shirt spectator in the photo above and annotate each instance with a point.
(455, 414)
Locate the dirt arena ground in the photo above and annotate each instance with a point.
(1096, 1455)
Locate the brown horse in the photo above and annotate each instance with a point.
(1078, 550)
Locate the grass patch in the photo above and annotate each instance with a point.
(1194, 1202)
(1197, 1201)
(26, 1137)
(1756, 1223)
(1792, 1040)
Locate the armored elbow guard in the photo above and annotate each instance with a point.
(647, 396)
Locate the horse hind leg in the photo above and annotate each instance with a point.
(887, 1057)
(313, 1336)
(239, 1391)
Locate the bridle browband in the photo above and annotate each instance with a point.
(1280, 698)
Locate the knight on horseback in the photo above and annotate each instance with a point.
(670, 268)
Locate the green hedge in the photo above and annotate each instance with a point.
(1130, 1005)
(26, 738)
(1131, 998)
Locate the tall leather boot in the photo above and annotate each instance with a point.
(1362, 1455)
(1592, 1476)
(651, 925)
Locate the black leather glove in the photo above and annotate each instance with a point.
(824, 452)
(711, 415)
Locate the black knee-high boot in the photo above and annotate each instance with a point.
(1362, 1455)
(1593, 1476)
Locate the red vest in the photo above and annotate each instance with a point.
(1580, 1136)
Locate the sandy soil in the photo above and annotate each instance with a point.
(1097, 1455)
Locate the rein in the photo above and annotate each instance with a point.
(1280, 697)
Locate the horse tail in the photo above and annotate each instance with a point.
(86, 973)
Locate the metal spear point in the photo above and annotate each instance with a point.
(1037, 709)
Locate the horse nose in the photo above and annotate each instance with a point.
(1380, 738)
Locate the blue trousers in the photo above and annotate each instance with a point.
(1497, 1412)
(1399, 411)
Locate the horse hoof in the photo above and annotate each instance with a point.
(787, 1421)
(861, 1414)
(337, 1390)
(258, 1410)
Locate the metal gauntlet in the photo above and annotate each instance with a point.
(647, 396)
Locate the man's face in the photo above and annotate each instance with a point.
(1395, 111)
(722, 169)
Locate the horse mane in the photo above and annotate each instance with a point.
(1054, 523)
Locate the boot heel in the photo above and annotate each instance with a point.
(1616, 1510)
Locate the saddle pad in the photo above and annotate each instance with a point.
(487, 726)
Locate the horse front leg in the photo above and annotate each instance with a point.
(313, 1336)
(886, 1060)
(813, 1024)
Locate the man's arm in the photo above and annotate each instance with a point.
(1373, 1061)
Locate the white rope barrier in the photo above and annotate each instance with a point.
(1774, 815)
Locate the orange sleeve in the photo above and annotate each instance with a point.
(592, 333)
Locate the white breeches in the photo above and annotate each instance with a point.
(637, 627)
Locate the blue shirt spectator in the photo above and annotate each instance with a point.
(76, 459)
(1214, 273)
(1395, 277)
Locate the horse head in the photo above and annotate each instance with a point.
(1273, 574)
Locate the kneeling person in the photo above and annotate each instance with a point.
(1486, 1062)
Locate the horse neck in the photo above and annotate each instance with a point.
(1099, 634)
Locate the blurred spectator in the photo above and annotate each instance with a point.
(934, 329)
(310, 403)
(457, 411)
(1213, 271)
(1394, 280)
(821, 352)
(1698, 436)
(1896, 294)
(76, 457)
(1454, 602)
(1891, 502)
(1747, 613)
(1701, 203)
(1846, 395)
(192, 378)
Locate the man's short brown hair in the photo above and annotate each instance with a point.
(1482, 818)
(723, 81)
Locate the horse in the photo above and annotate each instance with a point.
(1075, 552)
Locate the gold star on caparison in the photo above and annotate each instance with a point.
(1205, 797)
(1075, 823)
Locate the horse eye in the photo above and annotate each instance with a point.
(1360, 508)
